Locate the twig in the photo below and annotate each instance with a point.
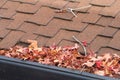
(85, 51)
(71, 9)
(82, 7)
(82, 69)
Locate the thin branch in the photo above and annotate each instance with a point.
(85, 51)
(82, 69)
(71, 9)
(81, 7)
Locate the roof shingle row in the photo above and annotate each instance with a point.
(99, 25)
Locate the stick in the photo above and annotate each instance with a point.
(85, 51)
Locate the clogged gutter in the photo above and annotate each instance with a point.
(67, 57)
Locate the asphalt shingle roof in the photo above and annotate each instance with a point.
(99, 25)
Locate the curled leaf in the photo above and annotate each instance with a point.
(33, 44)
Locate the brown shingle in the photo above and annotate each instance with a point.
(42, 40)
(59, 23)
(102, 2)
(28, 36)
(15, 0)
(99, 42)
(93, 16)
(66, 43)
(108, 32)
(115, 43)
(82, 4)
(3, 33)
(2, 2)
(48, 31)
(4, 23)
(46, 2)
(36, 19)
(4, 13)
(27, 1)
(62, 34)
(10, 9)
(59, 4)
(29, 8)
(18, 20)
(108, 50)
(112, 10)
(11, 5)
(71, 5)
(51, 29)
(95, 9)
(42, 17)
(116, 22)
(66, 15)
(90, 33)
(76, 24)
(11, 39)
(104, 21)
(28, 27)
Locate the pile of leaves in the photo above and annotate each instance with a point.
(67, 57)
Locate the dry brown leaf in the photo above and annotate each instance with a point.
(68, 57)
(89, 64)
(33, 44)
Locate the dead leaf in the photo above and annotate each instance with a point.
(33, 44)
